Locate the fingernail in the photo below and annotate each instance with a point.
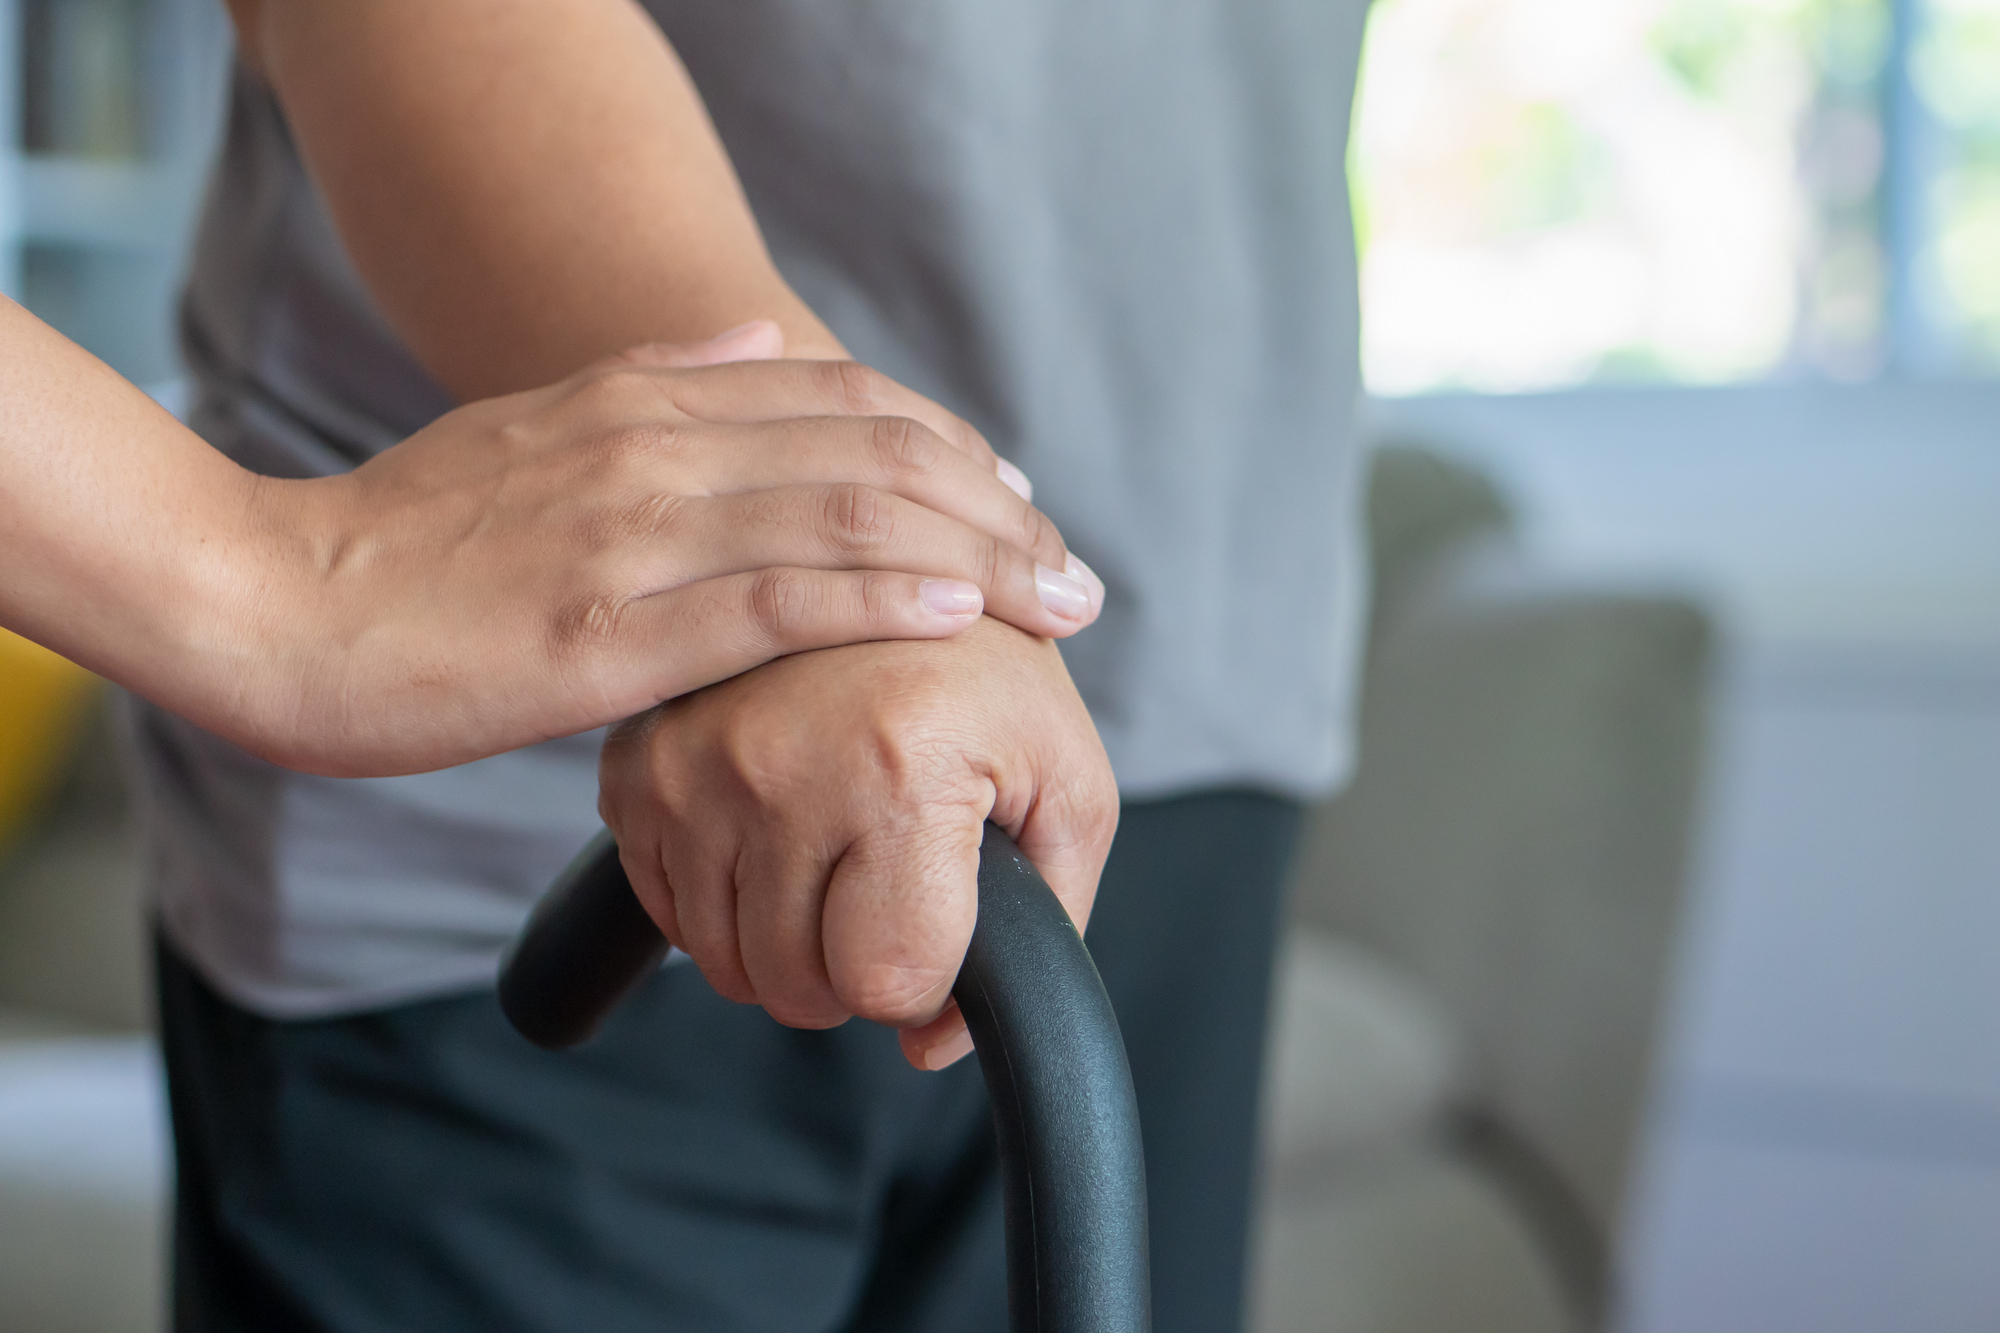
(1016, 480)
(729, 335)
(949, 1051)
(949, 597)
(1083, 574)
(1062, 594)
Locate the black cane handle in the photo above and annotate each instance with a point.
(1071, 1164)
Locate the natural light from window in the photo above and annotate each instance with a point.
(1955, 71)
(1561, 192)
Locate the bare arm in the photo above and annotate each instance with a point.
(124, 534)
(526, 185)
(524, 567)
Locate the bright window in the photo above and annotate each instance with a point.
(1558, 192)
(1955, 76)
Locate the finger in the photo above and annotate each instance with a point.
(759, 340)
(704, 894)
(782, 887)
(1067, 833)
(940, 1043)
(1067, 836)
(630, 801)
(859, 527)
(894, 454)
(627, 788)
(702, 632)
(899, 912)
(741, 392)
(646, 873)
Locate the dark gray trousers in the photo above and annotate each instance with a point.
(699, 1167)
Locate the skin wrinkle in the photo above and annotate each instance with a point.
(904, 448)
(857, 523)
(858, 389)
(645, 525)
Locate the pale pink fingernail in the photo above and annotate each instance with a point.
(736, 332)
(949, 1052)
(1083, 574)
(1016, 480)
(1062, 594)
(949, 597)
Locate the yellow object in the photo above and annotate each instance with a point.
(42, 701)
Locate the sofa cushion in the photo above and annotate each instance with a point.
(73, 935)
(83, 1181)
(1418, 1243)
(1361, 1056)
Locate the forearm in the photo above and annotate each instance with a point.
(525, 185)
(132, 547)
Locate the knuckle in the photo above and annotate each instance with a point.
(627, 533)
(613, 538)
(765, 764)
(901, 747)
(878, 592)
(990, 558)
(782, 602)
(857, 519)
(1038, 531)
(657, 512)
(624, 454)
(521, 437)
(853, 388)
(903, 447)
(587, 625)
(615, 391)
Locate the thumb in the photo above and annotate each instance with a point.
(759, 340)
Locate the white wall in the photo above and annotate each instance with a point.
(105, 240)
(1815, 513)
(1825, 1155)
(10, 138)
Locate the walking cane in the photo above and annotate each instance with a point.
(1073, 1174)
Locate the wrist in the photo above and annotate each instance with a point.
(263, 623)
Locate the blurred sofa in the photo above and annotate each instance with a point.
(1482, 923)
(83, 1145)
(1466, 1002)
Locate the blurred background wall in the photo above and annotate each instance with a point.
(1710, 290)
(1713, 288)
(111, 108)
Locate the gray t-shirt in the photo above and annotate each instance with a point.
(1113, 235)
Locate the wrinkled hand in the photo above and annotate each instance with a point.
(809, 831)
(536, 565)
